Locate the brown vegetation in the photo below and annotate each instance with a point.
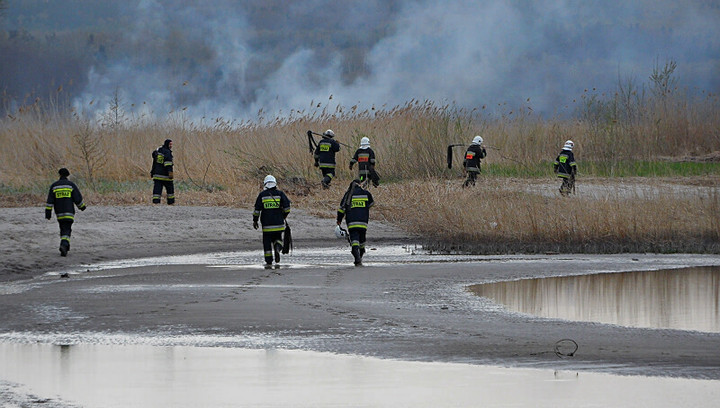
(223, 163)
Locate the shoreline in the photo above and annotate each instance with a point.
(419, 311)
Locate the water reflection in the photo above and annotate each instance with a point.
(686, 299)
(146, 376)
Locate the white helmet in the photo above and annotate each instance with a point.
(569, 145)
(340, 233)
(477, 140)
(364, 142)
(269, 182)
(329, 133)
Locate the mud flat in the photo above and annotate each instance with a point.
(402, 304)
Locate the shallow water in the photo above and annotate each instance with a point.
(151, 376)
(685, 299)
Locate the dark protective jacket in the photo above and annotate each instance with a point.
(325, 152)
(565, 165)
(355, 208)
(272, 207)
(473, 154)
(64, 195)
(162, 168)
(365, 158)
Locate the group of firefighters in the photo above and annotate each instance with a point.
(272, 205)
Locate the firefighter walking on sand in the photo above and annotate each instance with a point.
(162, 173)
(365, 159)
(272, 206)
(474, 153)
(325, 156)
(566, 168)
(64, 195)
(355, 208)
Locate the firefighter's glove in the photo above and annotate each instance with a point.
(351, 166)
(48, 214)
(83, 208)
(309, 133)
(255, 224)
(170, 174)
(316, 164)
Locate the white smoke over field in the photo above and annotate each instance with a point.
(220, 59)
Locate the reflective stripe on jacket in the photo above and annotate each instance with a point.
(63, 196)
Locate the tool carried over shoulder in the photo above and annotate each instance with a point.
(312, 144)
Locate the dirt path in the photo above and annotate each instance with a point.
(103, 233)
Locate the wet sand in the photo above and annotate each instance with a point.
(393, 307)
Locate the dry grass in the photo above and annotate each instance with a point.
(498, 218)
(222, 163)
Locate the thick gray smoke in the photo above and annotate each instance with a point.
(468, 52)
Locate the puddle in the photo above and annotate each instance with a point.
(300, 258)
(685, 299)
(151, 376)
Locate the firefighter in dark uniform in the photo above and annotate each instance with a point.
(272, 206)
(64, 195)
(474, 153)
(365, 158)
(162, 173)
(566, 168)
(325, 156)
(355, 208)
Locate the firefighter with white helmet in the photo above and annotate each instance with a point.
(474, 153)
(566, 168)
(272, 206)
(325, 156)
(365, 158)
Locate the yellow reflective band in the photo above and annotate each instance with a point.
(275, 229)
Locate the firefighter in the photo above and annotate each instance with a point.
(355, 208)
(162, 173)
(272, 206)
(566, 168)
(64, 195)
(365, 158)
(474, 153)
(325, 156)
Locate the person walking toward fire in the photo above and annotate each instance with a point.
(63, 196)
(162, 173)
(365, 158)
(272, 207)
(355, 208)
(474, 153)
(325, 156)
(566, 168)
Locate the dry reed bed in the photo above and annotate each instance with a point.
(496, 218)
(409, 140)
(224, 162)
